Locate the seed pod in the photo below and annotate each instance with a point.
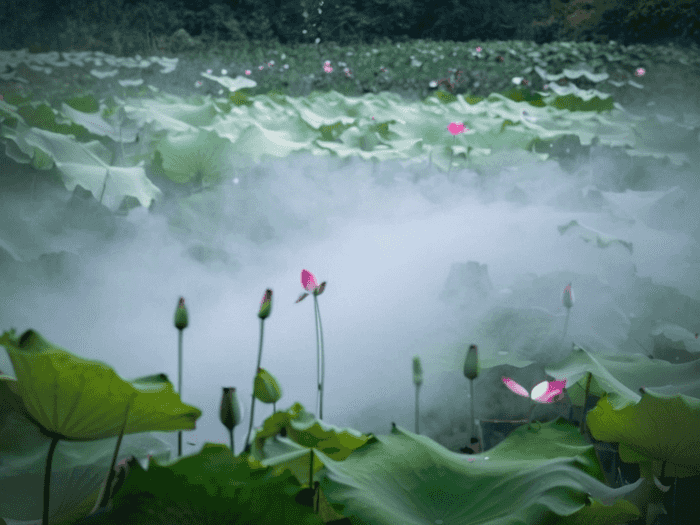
(266, 388)
(471, 363)
(265, 305)
(417, 371)
(230, 410)
(181, 321)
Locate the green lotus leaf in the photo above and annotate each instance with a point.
(81, 400)
(547, 474)
(213, 486)
(620, 376)
(659, 428)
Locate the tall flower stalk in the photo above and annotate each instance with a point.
(568, 302)
(471, 372)
(181, 322)
(308, 281)
(455, 128)
(418, 381)
(263, 313)
(230, 412)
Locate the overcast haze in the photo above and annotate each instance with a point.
(385, 251)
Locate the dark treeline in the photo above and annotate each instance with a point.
(57, 25)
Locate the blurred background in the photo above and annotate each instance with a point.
(124, 27)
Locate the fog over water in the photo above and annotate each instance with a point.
(385, 245)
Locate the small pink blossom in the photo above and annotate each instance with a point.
(456, 127)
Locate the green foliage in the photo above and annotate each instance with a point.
(524, 95)
(574, 103)
(661, 19)
(86, 104)
(472, 100)
(240, 98)
(445, 97)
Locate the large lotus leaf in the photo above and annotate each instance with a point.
(533, 476)
(82, 400)
(619, 376)
(88, 164)
(213, 486)
(78, 471)
(194, 154)
(659, 428)
(95, 123)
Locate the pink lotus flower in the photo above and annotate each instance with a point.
(455, 128)
(308, 281)
(544, 392)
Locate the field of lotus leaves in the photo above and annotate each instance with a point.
(127, 130)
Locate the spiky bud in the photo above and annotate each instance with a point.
(230, 410)
(417, 371)
(266, 388)
(265, 305)
(181, 315)
(471, 363)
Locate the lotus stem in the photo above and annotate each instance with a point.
(179, 386)
(417, 430)
(47, 480)
(252, 401)
(104, 185)
(418, 381)
(181, 322)
(321, 364)
(582, 427)
(471, 394)
(529, 413)
(449, 166)
(110, 477)
(566, 323)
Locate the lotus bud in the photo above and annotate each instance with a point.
(568, 299)
(266, 388)
(265, 305)
(471, 363)
(181, 315)
(230, 411)
(417, 371)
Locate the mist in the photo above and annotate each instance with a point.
(385, 239)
